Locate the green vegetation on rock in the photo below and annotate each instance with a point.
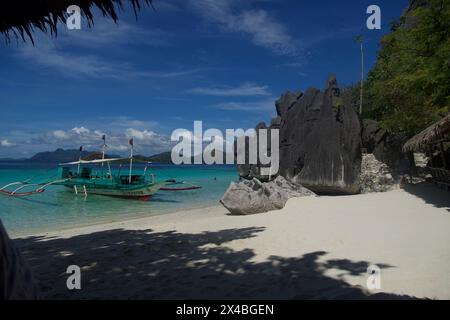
(408, 89)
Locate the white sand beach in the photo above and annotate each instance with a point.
(316, 247)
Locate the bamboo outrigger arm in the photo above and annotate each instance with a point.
(23, 185)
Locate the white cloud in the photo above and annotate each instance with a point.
(60, 134)
(106, 32)
(247, 89)
(128, 122)
(263, 29)
(140, 135)
(146, 141)
(55, 54)
(6, 143)
(262, 106)
(164, 5)
(81, 130)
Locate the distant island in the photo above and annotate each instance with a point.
(62, 156)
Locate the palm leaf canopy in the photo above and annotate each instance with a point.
(20, 18)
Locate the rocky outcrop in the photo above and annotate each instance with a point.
(409, 19)
(320, 142)
(385, 146)
(375, 175)
(253, 196)
(286, 102)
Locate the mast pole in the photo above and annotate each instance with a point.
(131, 160)
(103, 153)
(79, 160)
(362, 80)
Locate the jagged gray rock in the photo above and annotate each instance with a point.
(375, 175)
(286, 102)
(253, 196)
(320, 142)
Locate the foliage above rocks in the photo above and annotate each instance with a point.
(408, 89)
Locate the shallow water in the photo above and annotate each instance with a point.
(58, 207)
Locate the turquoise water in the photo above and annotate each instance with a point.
(58, 207)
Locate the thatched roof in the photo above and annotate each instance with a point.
(434, 133)
(20, 18)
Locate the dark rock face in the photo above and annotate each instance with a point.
(385, 146)
(286, 102)
(369, 131)
(320, 141)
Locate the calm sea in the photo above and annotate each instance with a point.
(58, 207)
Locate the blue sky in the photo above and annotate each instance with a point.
(224, 62)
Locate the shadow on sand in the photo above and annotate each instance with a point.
(170, 265)
(430, 194)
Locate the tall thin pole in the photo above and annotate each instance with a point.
(362, 80)
(131, 160)
(103, 153)
(360, 39)
(79, 160)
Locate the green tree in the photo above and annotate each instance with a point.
(408, 88)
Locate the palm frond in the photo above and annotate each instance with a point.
(21, 18)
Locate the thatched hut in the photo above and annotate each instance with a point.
(434, 138)
(19, 19)
(435, 134)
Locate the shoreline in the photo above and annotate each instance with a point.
(316, 247)
(104, 225)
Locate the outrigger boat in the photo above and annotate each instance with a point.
(130, 185)
(102, 182)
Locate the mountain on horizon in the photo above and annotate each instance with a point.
(61, 156)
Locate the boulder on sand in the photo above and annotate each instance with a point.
(253, 196)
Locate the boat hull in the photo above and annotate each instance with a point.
(143, 193)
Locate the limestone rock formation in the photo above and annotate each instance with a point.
(253, 196)
(320, 142)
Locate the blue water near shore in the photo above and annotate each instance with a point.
(58, 207)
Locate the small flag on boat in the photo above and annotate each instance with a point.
(81, 148)
(131, 142)
(104, 137)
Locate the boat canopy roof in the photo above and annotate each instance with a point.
(93, 161)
